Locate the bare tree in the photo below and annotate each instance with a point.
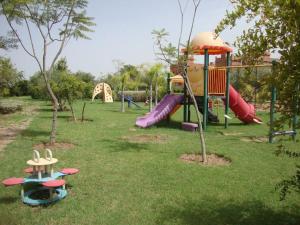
(171, 55)
(57, 22)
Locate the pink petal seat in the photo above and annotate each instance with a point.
(54, 183)
(28, 170)
(69, 171)
(12, 181)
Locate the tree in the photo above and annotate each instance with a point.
(152, 77)
(70, 88)
(56, 21)
(123, 77)
(171, 55)
(9, 76)
(89, 83)
(134, 76)
(275, 27)
(37, 87)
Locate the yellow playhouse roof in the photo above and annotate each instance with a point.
(208, 40)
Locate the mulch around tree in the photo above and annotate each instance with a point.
(212, 159)
(57, 145)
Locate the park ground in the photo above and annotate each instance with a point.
(135, 176)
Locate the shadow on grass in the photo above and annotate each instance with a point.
(34, 133)
(58, 116)
(45, 110)
(9, 200)
(123, 145)
(131, 111)
(169, 124)
(229, 124)
(213, 211)
(177, 124)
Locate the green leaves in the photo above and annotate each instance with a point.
(276, 27)
(9, 76)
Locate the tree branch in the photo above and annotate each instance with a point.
(36, 22)
(21, 42)
(64, 37)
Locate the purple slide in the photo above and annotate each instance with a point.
(161, 110)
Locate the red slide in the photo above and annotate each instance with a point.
(243, 110)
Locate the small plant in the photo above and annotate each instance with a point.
(292, 183)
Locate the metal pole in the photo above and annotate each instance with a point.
(272, 113)
(227, 88)
(296, 108)
(184, 103)
(168, 83)
(168, 92)
(189, 111)
(272, 107)
(255, 88)
(185, 93)
(206, 60)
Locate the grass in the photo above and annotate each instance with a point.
(134, 183)
(29, 108)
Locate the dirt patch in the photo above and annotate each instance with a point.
(57, 145)
(255, 139)
(8, 134)
(231, 133)
(9, 130)
(212, 159)
(147, 138)
(132, 129)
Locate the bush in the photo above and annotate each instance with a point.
(10, 107)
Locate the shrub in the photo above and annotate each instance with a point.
(7, 107)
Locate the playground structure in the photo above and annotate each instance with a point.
(206, 82)
(42, 181)
(129, 100)
(272, 132)
(105, 90)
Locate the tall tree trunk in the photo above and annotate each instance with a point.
(72, 110)
(55, 108)
(82, 112)
(122, 99)
(201, 133)
(156, 92)
(150, 98)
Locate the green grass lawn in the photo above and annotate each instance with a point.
(121, 182)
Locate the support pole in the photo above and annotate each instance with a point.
(189, 110)
(168, 91)
(227, 88)
(272, 113)
(168, 84)
(184, 102)
(185, 91)
(206, 61)
(296, 109)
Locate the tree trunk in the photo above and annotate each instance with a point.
(150, 97)
(72, 110)
(55, 108)
(122, 99)
(201, 133)
(82, 112)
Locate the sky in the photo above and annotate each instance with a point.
(123, 32)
